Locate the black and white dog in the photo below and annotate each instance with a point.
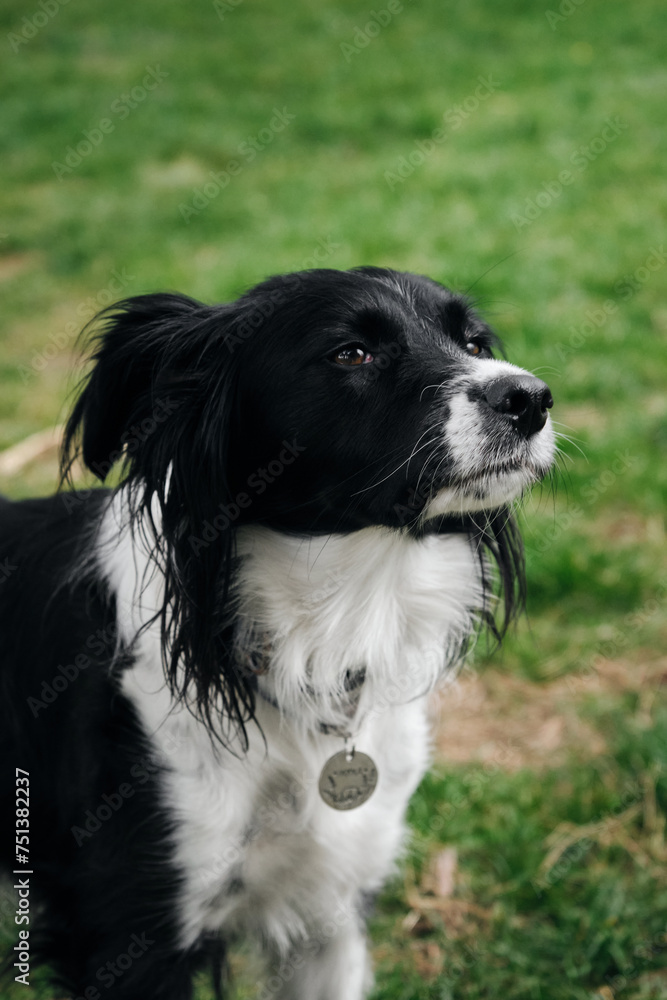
(215, 675)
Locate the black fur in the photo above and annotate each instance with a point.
(193, 400)
(80, 740)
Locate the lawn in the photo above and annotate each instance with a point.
(513, 151)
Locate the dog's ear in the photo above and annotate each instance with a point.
(161, 397)
(140, 357)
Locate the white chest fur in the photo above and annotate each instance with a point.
(258, 848)
(377, 599)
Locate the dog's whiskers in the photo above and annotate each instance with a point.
(394, 471)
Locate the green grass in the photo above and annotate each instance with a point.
(578, 293)
(596, 914)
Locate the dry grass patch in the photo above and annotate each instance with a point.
(496, 718)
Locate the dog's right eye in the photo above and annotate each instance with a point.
(352, 354)
(477, 349)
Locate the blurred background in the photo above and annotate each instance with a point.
(513, 151)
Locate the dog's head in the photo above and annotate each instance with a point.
(318, 402)
(385, 385)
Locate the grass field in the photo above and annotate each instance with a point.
(516, 151)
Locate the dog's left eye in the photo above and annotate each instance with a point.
(352, 354)
(476, 349)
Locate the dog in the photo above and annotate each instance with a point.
(215, 673)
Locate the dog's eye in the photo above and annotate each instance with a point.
(476, 349)
(352, 354)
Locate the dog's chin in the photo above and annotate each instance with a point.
(486, 491)
(487, 486)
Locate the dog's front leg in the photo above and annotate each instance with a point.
(331, 965)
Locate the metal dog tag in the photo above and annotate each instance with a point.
(348, 779)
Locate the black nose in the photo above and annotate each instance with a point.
(523, 398)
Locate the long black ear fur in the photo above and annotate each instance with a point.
(127, 383)
(161, 397)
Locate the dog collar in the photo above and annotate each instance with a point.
(349, 777)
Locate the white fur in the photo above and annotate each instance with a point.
(260, 852)
(376, 598)
(478, 457)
